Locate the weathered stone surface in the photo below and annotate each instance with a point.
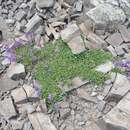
(76, 83)
(96, 40)
(115, 39)
(104, 68)
(33, 23)
(76, 45)
(95, 3)
(21, 15)
(121, 86)
(119, 117)
(112, 50)
(16, 71)
(84, 94)
(93, 126)
(119, 50)
(7, 108)
(31, 92)
(125, 5)
(40, 121)
(7, 84)
(44, 3)
(124, 33)
(68, 33)
(64, 113)
(106, 14)
(19, 95)
(16, 125)
(27, 126)
(30, 108)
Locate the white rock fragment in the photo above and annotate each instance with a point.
(106, 67)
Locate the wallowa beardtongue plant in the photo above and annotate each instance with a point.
(8, 49)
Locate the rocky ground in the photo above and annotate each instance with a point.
(83, 24)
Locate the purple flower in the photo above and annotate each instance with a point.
(29, 36)
(10, 56)
(16, 44)
(37, 87)
(50, 97)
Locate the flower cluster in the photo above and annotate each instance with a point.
(8, 49)
(37, 87)
(123, 63)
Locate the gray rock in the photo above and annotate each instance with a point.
(95, 3)
(19, 95)
(27, 126)
(41, 121)
(119, 50)
(104, 68)
(10, 21)
(16, 71)
(93, 126)
(7, 108)
(79, 5)
(30, 92)
(124, 33)
(101, 105)
(68, 33)
(118, 118)
(21, 15)
(115, 39)
(33, 23)
(121, 86)
(7, 84)
(106, 14)
(96, 41)
(43, 106)
(77, 45)
(125, 5)
(64, 113)
(45, 3)
(112, 50)
(16, 124)
(30, 108)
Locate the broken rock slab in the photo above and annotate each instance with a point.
(115, 39)
(119, 117)
(68, 33)
(33, 23)
(96, 41)
(16, 71)
(7, 108)
(19, 95)
(41, 121)
(30, 92)
(106, 14)
(124, 33)
(7, 84)
(120, 87)
(77, 45)
(45, 3)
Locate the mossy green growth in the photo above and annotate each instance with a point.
(58, 64)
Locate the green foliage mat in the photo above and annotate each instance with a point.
(56, 64)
